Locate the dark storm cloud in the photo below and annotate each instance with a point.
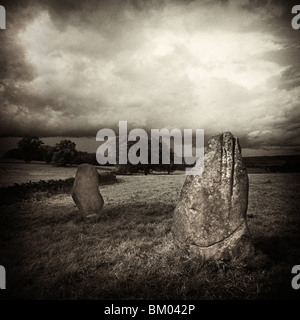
(277, 20)
(73, 67)
(291, 77)
(13, 64)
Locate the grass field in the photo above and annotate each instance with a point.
(49, 254)
(20, 172)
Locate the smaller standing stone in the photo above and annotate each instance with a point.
(85, 191)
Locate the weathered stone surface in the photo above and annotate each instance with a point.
(85, 191)
(210, 218)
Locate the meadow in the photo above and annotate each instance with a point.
(50, 254)
(20, 172)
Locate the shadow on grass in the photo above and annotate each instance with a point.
(280, 249)
(154, 209)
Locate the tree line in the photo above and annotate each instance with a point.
(64, 153)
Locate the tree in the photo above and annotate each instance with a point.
(14, 154)
(85, 157)
(64, 153)
(31, 148)
(48, 152)
(146, 168)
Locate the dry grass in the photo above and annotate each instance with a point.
(48, 254)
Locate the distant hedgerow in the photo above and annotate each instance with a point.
(23, 191)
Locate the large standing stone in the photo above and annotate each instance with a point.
(85, 192)
(210, 218)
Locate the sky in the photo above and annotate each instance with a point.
(71, 68)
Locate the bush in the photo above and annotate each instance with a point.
(24, 191)
(64, 153)
(85, 157)
(107, 177)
